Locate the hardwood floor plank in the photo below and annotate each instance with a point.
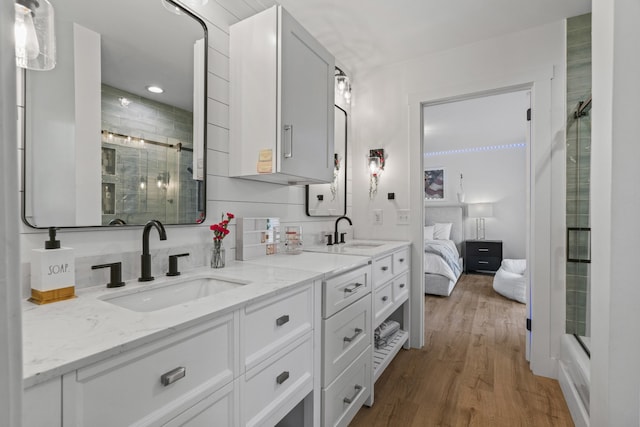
(471, 372)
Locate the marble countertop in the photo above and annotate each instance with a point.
(64, 336)
(369, 248)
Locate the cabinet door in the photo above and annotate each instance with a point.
(306, 122)
(219, 408)
(42, 405)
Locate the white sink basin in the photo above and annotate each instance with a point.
(172, 292)
(362, 245)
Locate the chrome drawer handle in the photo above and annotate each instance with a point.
(384, 268)
(384, 298)
(353, 288)
(349, 400)
(173, 375)
(358, 331)
(282, 320)
(483, 250)
(401, 285)
(282, 377)
(483, 262)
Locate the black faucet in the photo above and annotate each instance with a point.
(335, 234)
(145, 271)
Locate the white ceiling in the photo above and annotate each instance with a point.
(370, 33)
(478, 122)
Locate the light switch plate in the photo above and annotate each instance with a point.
(377, 217)
(402, 217)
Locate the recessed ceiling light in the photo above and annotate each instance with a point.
(155, 89)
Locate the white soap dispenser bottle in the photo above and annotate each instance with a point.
(53, 272)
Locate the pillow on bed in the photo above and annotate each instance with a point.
(442, 231)
(428, 232)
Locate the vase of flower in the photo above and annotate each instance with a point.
(220, 231)
(217, 254)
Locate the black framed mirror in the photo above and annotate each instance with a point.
(331, 199)
(116, 133)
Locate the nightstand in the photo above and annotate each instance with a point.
(482, 255)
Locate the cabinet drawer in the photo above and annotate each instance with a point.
(401, 261)
(401, 288)
(342, 290)
(129, 390)
(382, 303)
(269, 325)
(218, 408)
(382, 270)
(344, 337)
(483, 263)
(486, 248)
(344, 397)
(272, 384)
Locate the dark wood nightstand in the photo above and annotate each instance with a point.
(482, 255)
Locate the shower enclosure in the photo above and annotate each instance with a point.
(578, 222)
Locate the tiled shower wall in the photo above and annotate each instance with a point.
(578, 169)
(139, 163)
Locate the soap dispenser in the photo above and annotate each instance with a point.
(52, 272)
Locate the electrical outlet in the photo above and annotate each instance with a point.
(402, 217)
(377, 217)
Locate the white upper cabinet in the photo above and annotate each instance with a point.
(281, 110)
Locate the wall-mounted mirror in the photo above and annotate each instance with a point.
(115, 134)
(331, 199)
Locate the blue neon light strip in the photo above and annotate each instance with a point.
(475, 149)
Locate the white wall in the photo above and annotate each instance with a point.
(241, 197)
(382, 118)
(493, 176)
(615, 348)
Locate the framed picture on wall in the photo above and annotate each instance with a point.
(434, 184)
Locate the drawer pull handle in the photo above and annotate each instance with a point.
(384, 268)
(353, 287)
(282, 320)
(483, 250)
(384, 298)
(483, 262)
(349, 400)
(173, 375)
(282, 377)
(401, 285)
(401, 260)
(358, 331)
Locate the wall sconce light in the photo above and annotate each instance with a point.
(342, 85)
(163, 180)
(480, 211)
(35, 40)
(143, 182)
(376, 166)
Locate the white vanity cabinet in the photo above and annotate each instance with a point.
(346, 346)
(278, 357)
(153, 384)
(281, 101)
(391, 301)
(41, 404)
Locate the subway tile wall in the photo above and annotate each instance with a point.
(578, 171)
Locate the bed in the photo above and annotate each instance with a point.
(442, 261)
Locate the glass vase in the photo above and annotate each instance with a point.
(217, 254)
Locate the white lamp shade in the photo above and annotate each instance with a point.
(481, 210)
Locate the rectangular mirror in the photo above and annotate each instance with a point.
(115, 134)
(331, 199)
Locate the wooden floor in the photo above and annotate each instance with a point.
(471, 372)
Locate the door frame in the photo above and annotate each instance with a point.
(546, 300)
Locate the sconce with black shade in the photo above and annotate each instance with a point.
(163, 180)
(376, 166)
(35, 42)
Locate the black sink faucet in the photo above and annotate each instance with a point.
(145, 271)
(335, 234)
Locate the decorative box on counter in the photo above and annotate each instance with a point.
(256, 237)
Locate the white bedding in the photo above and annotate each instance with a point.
(434, 264)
